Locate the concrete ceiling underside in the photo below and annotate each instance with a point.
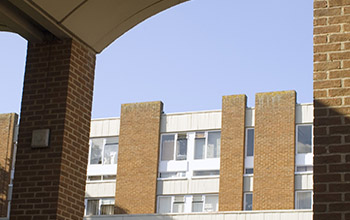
(97, 23)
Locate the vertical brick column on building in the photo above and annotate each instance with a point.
(8, 124)
(232, 153)
(49, 182)
(138, 158)
(274, 150)
(331, 109)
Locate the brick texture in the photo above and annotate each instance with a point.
(138, 158)
(232, 153)
(8, 124)
(49, 183)
(332, 110)
(274, 150)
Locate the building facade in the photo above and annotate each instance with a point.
(233, 159)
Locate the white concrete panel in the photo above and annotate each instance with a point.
(249, 117)
(172, 187)
(304, 113)
(304, 159)
(191, 121)
(101, 189)
(99, 169)
(58, 9)
(204, 186)
(105, 127)
(248, 183)
(304, 181)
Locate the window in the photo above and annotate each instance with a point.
(304, 169)
(248, 201)
(304, 139)
(249, 143)
(104, 150)
(197, 203)
(303, 199)
(249, 171)
(168, 145)
(179, 204)
(206, 173)
(102, 178)
(211, 203)
(207, 144)
(172, 174)
(171, 204)
(100, 206)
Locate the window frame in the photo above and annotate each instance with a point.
(206, 137)
(175, 146)
(296, 198)
(245, 199)
(297, 136)
(99, 204)
(246, 141)
(103, 150)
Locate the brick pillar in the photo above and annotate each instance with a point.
(138, 158)
(8, 124)
(331, 109)
(274, 150)
(232, 153)
(49, 182)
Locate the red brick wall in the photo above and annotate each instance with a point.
(49, 183)
(138, 158)
(331, 109)
(8, 123)
(274, 150)
(232, 153)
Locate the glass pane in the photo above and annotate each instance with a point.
(96, 151)
(92, 207)
(303, 200)
(304, 139)
(164, 204)
(199, 148)
(211, 203)
(248, 201)
(304, 168)
(172, 174)
(110, 154)
(197, 206)
(214, 139)
(206, 173)
(250, 142)
(181, 148)
(168, 147)
(249, 171)
(94, 178)
(109, 177)
(178, 207)
(107, 209)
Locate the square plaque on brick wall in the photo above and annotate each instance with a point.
(40, 138)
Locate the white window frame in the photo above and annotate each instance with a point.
(246, 142)
(99, 204)
(303, 172)
(296, 198)
(102, 179)
(175, 142)
(244, 200)
(172, 178)
(297, 134)
(103, 150)
(206, 135)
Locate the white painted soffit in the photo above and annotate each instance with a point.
(97, 23)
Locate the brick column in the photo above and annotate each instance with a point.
(274, 150)
(332, 109)
(49, 182)
(138, 158)
(8, 124)
(232, 153)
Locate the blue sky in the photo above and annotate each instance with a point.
(191, 55)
